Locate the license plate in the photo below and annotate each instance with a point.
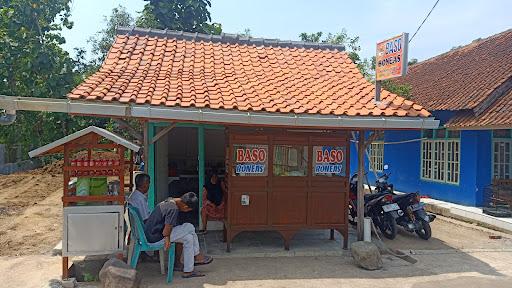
(417, 206)
(390, 207)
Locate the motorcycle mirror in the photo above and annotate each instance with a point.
(386, 167)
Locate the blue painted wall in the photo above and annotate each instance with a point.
(404, 165)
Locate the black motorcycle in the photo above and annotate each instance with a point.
(378, 206)
(412, 215)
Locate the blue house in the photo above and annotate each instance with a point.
(469, 89)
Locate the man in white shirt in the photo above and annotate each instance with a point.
(161, 224)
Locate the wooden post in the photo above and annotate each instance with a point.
(200, 165)
(360, 187)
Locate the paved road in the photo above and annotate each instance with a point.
(459, 255)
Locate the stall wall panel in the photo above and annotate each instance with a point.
(253, 214)
(289, 200)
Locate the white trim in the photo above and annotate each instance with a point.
(102, 132)
(220, 116)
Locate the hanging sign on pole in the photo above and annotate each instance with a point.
(391, 58)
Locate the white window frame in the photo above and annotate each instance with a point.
(507, 165)
(440, 160)
(376, 156)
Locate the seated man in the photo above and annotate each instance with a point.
(213, 201)
(161, 224)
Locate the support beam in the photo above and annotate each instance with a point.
(200, 165)
(132, 131)
(162, 133)
(360, 187)
(149, 162)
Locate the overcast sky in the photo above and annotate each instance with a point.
(452, 23)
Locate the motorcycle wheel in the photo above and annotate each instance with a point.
(352, 216)
(387, 226)
(425, 232)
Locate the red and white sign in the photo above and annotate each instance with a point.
(251, 160)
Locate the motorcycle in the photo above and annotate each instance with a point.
(379, 207)
(412, 215)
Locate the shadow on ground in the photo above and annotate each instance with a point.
(260, 256)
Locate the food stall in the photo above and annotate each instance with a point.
(96, 163)
(287, 180)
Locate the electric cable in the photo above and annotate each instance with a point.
(419, 27)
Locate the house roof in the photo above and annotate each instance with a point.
(160, 68)
(499, 115)
(463, 78)
(58, 146)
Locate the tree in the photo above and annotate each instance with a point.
(365, 65)
(32, 63)
(103, 39)
(342, 38)
(181, 15)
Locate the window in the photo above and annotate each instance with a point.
(440, 156)
(501, 160)
(376, 155)
(290, 160)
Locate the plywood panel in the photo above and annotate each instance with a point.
(253, 214)
(328, 208)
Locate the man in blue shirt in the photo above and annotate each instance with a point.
(161, 224)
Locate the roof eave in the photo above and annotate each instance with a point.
(218, 116)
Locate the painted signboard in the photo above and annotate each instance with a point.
(391, 59)
(251, 160)
(329, 161)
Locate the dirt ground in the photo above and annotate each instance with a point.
(30, 213)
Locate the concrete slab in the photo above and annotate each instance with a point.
(270, 244)
(470, 214)
(466, 213)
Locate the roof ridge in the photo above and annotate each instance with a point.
(473, 43)
(227, 38)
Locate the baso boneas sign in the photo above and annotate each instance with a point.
(329, 160)
(251, 159)
(391, 58)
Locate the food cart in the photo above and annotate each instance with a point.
(95, 165)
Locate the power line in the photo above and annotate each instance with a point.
(419, 27)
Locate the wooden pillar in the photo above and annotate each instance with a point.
(360, 186)
(200, 166)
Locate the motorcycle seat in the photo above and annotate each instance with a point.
(368, 197)
(401, 196)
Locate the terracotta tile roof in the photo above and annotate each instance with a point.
(168, 68)
(462, 78)
(497, 115)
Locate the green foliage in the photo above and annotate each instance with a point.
(403, 90)
(103, 39)
(351, 45)
(181, 15)
(32, 63)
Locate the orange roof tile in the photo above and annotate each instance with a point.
(497, 115)
(168, 68)
(462, 78)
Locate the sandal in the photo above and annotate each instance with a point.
(207, 260)
(193, 274)
(201, 232)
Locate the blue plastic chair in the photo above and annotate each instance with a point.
(141, 244)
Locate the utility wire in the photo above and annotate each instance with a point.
(419, 27)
